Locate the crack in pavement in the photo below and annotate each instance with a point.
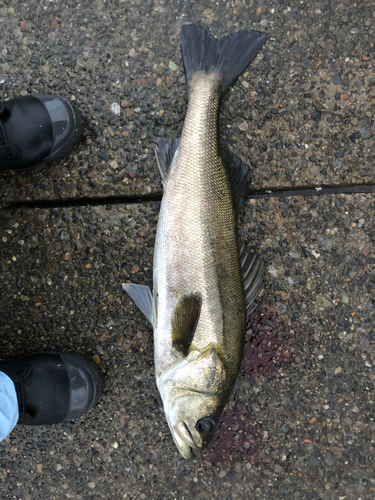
(149, 198)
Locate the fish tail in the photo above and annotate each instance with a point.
(228, 56)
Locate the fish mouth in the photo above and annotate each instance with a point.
(184, 440)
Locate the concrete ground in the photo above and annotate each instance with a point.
(300, 423)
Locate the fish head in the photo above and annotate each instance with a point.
(194, 392)
(192, 419)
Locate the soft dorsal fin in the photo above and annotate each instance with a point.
(252, 267)
(184, 322)
(164, 154)
(142, 296)
(239, 175)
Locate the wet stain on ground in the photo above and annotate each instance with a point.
(238, 436)
(267, 346)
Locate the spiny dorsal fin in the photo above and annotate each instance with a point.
(184, 322)
(252, 267)
(164, 154)
(239, 175)
(142, 296)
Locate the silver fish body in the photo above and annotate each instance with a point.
(196, 253)
(199, 299)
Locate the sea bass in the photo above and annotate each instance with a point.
(204, 281)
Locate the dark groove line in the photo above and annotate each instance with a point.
(149, 198)
(84, 201)
(315, 191)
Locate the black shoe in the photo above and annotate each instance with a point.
(53, 387)
(37, 129)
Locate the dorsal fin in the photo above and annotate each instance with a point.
(184, 322)
(239, 175)
(164, 154)
(252, 267)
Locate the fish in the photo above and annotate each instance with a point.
(204, 280)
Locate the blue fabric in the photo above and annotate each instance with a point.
(8, 406)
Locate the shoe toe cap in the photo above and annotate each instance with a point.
(63, 117)
(85, 385)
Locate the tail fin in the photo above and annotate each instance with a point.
(229, 55)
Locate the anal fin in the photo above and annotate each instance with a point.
(240, 176)
(164, 154)
(252, 267)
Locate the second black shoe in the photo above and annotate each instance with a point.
(53, 387)
(37, 129)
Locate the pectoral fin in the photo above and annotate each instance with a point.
(252, 266)
(184, 322)
(142, 296)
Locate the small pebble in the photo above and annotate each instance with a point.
(172, 66)
(135, 269)
(115, 108)
(282, 308)
(243, 126)
(360, 223)
(336, 79)
(330, 458)
(314, 461)
(366, 250)
(337, 164)
(104, 155)
(366, 134)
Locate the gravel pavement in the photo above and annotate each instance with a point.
(302, 113)
(300, 422)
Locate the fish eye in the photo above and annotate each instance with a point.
(205, 424)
